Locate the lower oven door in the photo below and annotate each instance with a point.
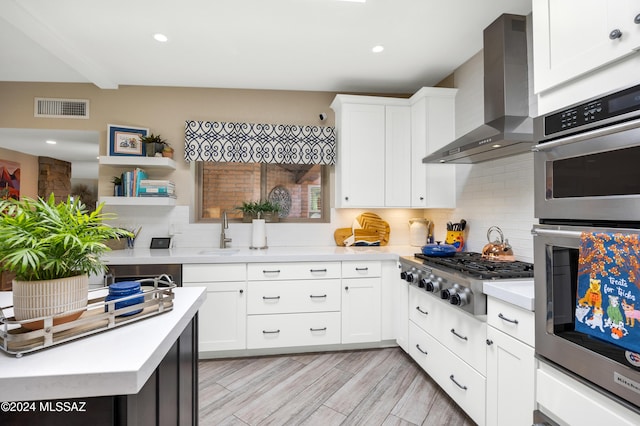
(592, 333)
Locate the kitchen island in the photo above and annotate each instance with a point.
(128, 376)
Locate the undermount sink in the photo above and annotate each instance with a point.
(218, 251)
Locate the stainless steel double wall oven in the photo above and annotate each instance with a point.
(587, 180)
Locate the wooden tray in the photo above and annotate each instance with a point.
(99, 316)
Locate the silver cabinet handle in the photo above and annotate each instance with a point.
(457, 384)
(317, 297)
(636, 20)
(418, 347)
(489, 342)
(318, 270)
(421, 311)
(274, 271)
(241, 291)
(270, 297)
(270, 331)
(459, 336)
(362, 269)
(318, 329)
(615, 34)
(512, 321)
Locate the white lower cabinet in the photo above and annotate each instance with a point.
(286, 330)
(400, 317)
(223, 316)
(361, 304)
(287, 304)
(510, 364)
(293, 304)
(450, 346)
(459, 380)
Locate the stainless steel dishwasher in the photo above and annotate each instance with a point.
(117, 273)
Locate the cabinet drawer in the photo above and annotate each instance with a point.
(463, 384)
(293, 271)
(277, 297)
(355, 269)
(461, 333)
(198, 273)
(285, 330)
(512, 320)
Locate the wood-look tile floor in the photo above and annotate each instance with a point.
(367, 387)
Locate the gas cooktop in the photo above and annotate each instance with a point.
(475, 266)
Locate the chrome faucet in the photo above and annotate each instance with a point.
(225, 225)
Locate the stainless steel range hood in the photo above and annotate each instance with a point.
(508, 129)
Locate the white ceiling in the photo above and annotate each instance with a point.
(320, 45)
(317, 45)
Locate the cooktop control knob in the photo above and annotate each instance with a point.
(434, 284)
(423, 283)
(447, 293)
(409, 277)
(461, 297)
(403, 275)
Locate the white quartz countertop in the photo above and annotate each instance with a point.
(247, 255)
(517, 292)
(115, 362)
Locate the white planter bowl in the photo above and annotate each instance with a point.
(34, 299)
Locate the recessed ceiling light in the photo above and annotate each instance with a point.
(496, 146)
(377, 49)
(50, 142)
(160, 37)
(355, 1)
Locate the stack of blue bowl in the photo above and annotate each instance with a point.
(123, 289)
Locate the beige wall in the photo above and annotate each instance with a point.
(28, 171)
(163, 110)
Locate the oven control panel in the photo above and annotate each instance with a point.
(617, 106)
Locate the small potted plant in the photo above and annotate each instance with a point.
(259, 210)
(52, 248)
(167, 150)
(154, 144)
(117, 186)
(270, 211)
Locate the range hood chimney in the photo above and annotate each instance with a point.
(508, 129)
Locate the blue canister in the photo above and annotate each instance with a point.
(123, 289)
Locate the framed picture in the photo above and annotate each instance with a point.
(125, 140)
(9, 180)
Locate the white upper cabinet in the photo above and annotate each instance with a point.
(397, 190)
(381, 143)
(432, 127)
(360, 156)
(573, 38)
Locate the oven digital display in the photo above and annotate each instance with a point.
(624, 102)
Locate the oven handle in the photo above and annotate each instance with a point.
(555, 233)
(615, 128)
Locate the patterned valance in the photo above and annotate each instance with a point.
(259, 143)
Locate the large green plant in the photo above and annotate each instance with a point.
(42, 240)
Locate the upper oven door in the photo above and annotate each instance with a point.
(593, 175)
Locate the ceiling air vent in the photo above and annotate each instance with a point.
(61, 108)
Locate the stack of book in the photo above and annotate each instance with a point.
(131, 181)
(156, 188)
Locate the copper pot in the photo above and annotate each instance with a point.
(499, 249)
